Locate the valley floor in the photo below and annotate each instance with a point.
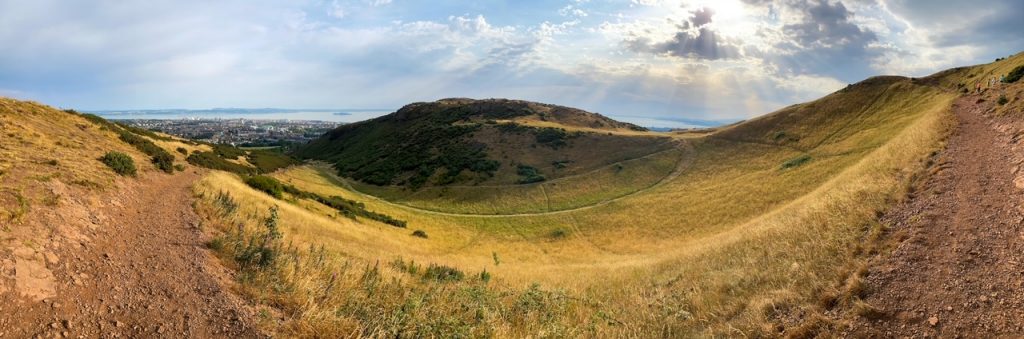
(959, 267)
(140, 269)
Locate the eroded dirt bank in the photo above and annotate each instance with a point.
(126, 262)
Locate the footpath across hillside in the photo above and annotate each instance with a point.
(958, 268)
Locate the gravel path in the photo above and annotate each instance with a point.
(138, 270)
(960, 268)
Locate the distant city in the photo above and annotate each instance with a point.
(239, 132)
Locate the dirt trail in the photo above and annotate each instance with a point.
(960, 268)
(138, 270)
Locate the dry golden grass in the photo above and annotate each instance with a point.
(736, 245)
(40, 144)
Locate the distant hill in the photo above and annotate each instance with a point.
(467, 141)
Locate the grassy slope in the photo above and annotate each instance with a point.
(426, 141)
(726, 246)
(34, 136)
(583, 189)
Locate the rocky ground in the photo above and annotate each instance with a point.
(127, 262)
(958, 269)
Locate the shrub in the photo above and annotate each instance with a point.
(559, 233)
(226, 203)
(266, 184)
(228, 151)
(1002, 100)
(119, 162)
(163, 160)
(560, 164)
(212, 161)
(442, 273)
(144, 132)
(1015, 75)
(419, 233)
(182, 150)
(267, 161)
(260, 251)
(179, 168)
(529, 174)
(52, 162)
(795, 162)
(552, 137)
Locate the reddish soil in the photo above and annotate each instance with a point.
(137, 268)
(958, 268)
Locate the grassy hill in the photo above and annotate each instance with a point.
(420, 223)
(759, 228)
(479, 142)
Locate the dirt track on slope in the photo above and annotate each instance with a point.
(959, 268)
(133, 267)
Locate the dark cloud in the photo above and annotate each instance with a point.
(695, 39)
(702, 17)
(949, 23)
(819, 37)
(828, 25)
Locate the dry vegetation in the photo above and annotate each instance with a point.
(40, 145)
(755, 229)
(764, 227)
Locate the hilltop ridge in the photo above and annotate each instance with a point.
(493, 141)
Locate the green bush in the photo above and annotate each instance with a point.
(1015, 75)
(1002, 100)
(529, 174)
(182, 150)
(119, 162)
(163, 160)
(443, 273)
(795, 162)
(552, 137)
(419, 233)
(261, 250)
(266, 184)
(348, 208)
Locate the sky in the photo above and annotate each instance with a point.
(655, 62)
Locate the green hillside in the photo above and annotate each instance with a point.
(473, 142)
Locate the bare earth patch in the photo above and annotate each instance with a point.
(959, 269)
(130, 265)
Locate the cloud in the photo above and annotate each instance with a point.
(641, 58)
(695, 39)
(336, 10)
